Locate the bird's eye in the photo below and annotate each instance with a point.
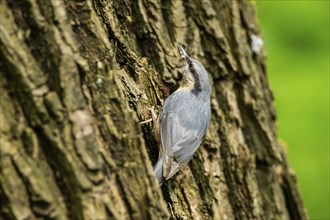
(191, 65)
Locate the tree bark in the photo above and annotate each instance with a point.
(77, 77)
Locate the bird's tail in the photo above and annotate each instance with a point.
(158, 171)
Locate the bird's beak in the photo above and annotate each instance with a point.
(183, 53)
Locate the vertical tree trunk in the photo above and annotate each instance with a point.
(78, 76)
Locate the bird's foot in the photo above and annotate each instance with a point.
(146, 121)
(153, 116)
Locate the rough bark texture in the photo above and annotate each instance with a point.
(77, 76)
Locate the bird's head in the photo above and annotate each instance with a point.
(195, 76)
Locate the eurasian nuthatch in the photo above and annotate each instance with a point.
(184, 119)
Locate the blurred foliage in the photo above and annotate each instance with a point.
(296, 38)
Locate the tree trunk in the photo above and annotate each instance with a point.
(77, 77)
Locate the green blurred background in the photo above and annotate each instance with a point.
(296, 38)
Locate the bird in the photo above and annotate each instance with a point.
(184, 119)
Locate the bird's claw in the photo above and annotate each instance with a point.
(153, 116)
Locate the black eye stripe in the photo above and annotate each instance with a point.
(197, 85)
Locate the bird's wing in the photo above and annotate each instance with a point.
(179, 142)
(183, 154)
(169, 135)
